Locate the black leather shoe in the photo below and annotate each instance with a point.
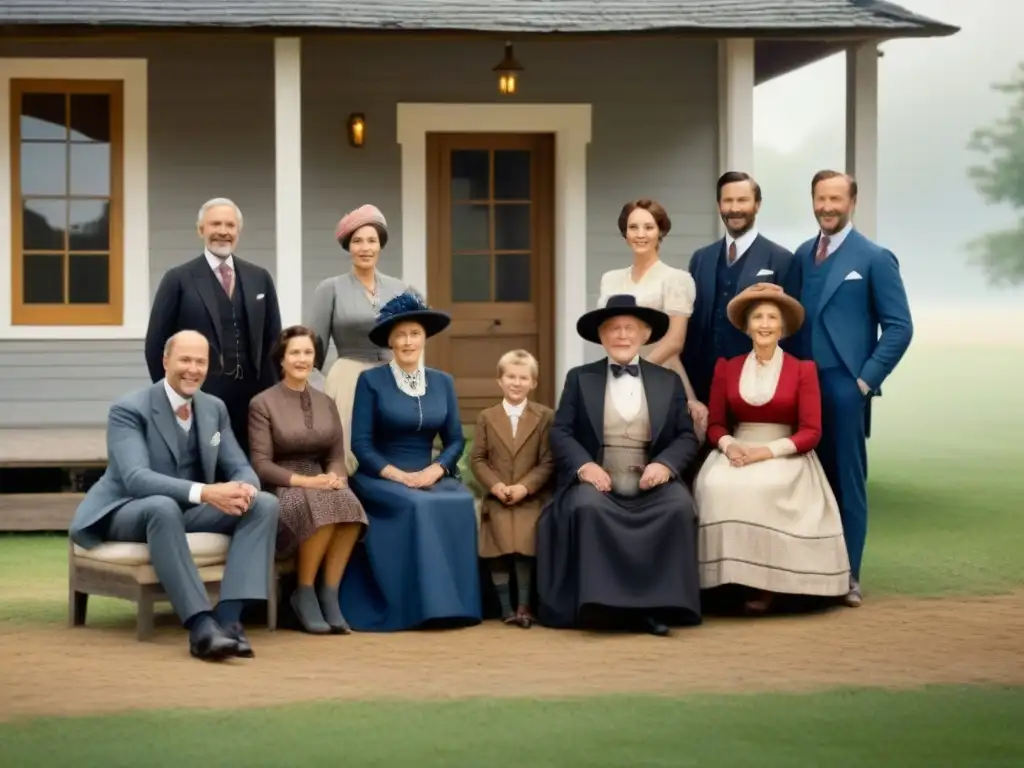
(655, 627)
(236, 632)
(208, 641)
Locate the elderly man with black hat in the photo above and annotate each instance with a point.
(618, 541)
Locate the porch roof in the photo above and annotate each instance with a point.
(858, 19)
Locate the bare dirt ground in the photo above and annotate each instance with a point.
(887, 642)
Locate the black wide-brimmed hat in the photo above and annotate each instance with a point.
(407, 307)
(618, 305)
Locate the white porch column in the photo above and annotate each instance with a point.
(862, 132)
(736, 105)
(288, 176)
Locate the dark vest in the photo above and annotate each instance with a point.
(727, 340)
(817, 345)
(236, 351)
(190, 462)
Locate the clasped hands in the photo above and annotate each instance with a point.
(423, 479)
(654, 474)
(741, 455)
(328, 481)
(509, 495)
(231, 498)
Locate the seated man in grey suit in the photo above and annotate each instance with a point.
(164, 444)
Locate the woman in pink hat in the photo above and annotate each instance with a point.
(345, 308)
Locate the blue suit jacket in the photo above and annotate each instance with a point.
(778, 266)
(864, 291)
(142, 455)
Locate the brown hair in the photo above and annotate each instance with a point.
(829, 174)
(289, 333)
(652, 207)
(734, 177)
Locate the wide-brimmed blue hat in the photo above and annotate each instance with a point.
(618, 305)
(407, 307)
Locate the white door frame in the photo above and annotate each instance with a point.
(571, 125)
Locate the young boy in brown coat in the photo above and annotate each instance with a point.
(512, 458)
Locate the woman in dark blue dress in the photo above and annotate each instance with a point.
(418, 562)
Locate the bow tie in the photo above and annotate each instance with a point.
(632, 369)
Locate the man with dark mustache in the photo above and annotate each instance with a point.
(722, 270)
(851, 288)
(233, 303)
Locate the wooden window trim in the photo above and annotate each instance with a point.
(111, 313)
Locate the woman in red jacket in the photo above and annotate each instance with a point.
(768, 518)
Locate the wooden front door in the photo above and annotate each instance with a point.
(490, 209)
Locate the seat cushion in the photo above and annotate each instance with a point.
(206, 549)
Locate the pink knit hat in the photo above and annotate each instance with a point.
(361, 217)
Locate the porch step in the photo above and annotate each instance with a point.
(53, 447)
(38, 511)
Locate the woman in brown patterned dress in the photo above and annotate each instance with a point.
(298, 450)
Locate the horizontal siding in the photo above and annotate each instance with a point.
(654, 135)
(211, 134)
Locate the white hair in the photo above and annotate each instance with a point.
(214, 203)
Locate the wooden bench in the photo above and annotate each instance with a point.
(123, 570)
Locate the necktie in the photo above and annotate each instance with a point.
(183, 412)
(632, 369)
(226, 278)
(822, 253)
(732, 253)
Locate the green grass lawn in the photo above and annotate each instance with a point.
(946, 466)
(941, 726)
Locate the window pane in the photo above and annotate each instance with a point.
(43, 279)
(90, 169)
(512, 277)
(512, 227)
(512, 174)
(42, 225)
(90, 117)
(89, 279)
(471, 228)
(471, 173)
(89, 225)
(44, 169)
(471, 277)
(43, 116)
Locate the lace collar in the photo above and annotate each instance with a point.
(413, 384)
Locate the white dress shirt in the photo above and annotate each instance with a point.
(743, 242)
(195, 493)
(514, 413)
(626, 391)
(216, 261)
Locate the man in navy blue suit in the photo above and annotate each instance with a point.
(851, 287)
(723, 269)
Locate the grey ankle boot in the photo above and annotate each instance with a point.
(307, 609)
(332, 610)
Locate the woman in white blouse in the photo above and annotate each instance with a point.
(644, 224)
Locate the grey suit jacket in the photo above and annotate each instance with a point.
(142, 456)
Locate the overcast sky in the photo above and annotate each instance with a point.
(932, 94)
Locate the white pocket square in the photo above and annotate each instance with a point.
(762, 272)
(215, 440)
(260, 296)
(855, 275)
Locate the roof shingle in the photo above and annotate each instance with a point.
(874, 17)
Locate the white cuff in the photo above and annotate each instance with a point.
(195, 493)
(782, 447)
(725, 441)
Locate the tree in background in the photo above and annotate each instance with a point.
(1001, 181)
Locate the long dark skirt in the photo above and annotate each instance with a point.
(597, 551)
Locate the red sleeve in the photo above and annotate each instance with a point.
(718, 403)
(808, 432)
